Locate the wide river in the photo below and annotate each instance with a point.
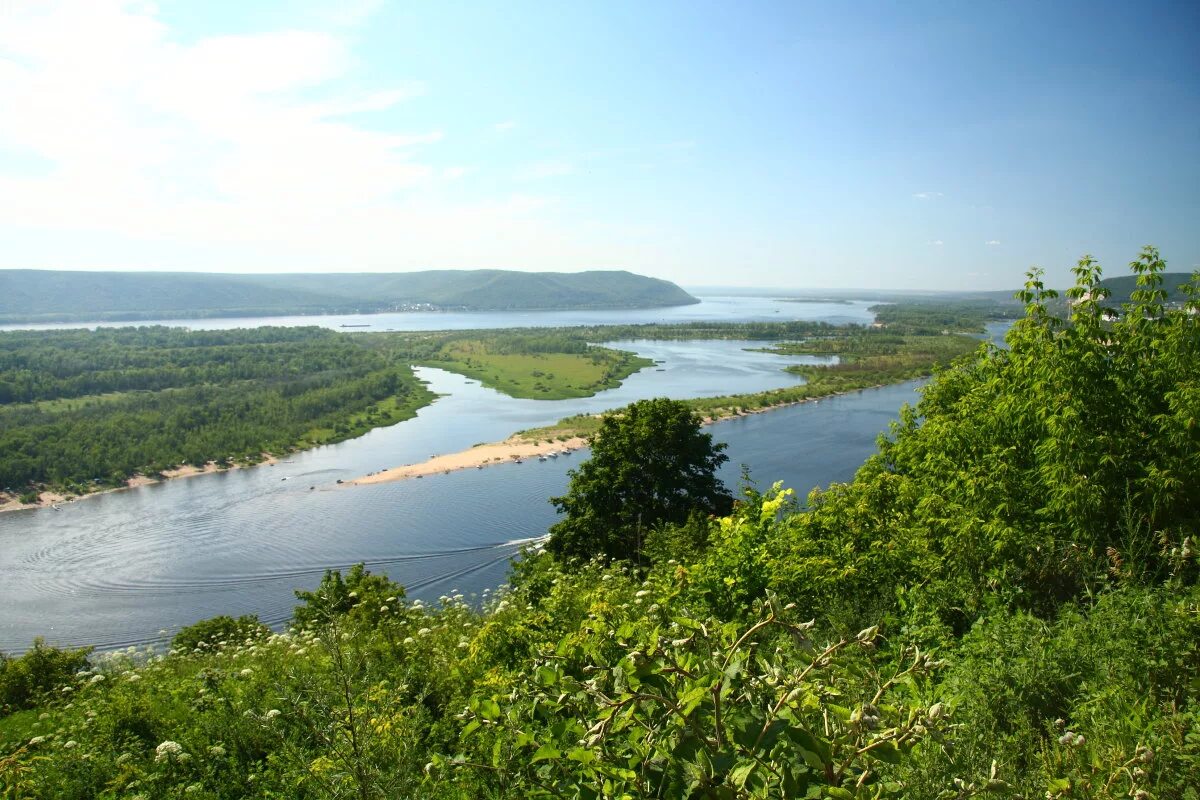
(125, 567)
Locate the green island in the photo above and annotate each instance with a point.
(866, 358)
(84, 411)
(535, 365)
(1003, 602)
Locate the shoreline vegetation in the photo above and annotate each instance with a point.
(861, 366)
(84, 412)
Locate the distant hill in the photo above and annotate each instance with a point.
(1122, 287)
(51, 295)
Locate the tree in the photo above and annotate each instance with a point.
(651, 465)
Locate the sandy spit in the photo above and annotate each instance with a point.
(479, 456)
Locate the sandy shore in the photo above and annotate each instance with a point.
(486, 455)
(477, 457)
(49, 498)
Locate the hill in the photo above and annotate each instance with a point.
(1122, 287)
(49, 295)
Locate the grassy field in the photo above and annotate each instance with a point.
(861, 366)
(538, 376)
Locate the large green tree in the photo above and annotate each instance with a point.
(651, 464)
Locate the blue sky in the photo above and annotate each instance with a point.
(808, 145)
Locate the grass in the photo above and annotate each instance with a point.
(539, 376)
(914, 357)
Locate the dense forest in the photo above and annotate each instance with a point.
(1003, 602)
(81, 409)
(44, 295)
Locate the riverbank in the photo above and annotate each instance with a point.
(512, 450)
(560, 440)
(48, 498)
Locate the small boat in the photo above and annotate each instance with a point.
(541, 458)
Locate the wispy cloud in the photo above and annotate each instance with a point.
(992, 242)
(937, 243)
(240, 150)
(927, 195)
(505, 126)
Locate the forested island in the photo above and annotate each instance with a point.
(54, 295)
(1003, 602)
(88, 410)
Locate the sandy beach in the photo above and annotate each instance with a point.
(515, 447)
(49, 498)
(477, 457)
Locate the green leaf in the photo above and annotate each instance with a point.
(741, 774)
(582, 755)
(544, 752)
(886, 753)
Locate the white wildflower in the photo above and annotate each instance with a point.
(96, 679)
(272, 714)
(168, 751)
(216, 750)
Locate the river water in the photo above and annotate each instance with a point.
(121, 568)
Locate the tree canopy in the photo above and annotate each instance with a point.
(651, 464)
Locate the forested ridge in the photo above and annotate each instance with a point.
(1002, 603)
(46, 295)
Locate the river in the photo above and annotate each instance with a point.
(131, 567)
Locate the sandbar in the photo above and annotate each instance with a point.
(481, 455)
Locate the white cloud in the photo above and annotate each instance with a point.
(206, 142)
(505, 126)
(937, 243)
(454, 173)
(927, 195)
(992, 242)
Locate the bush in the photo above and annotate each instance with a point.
(29, 679)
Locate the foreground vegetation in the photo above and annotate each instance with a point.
(1002, 603)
